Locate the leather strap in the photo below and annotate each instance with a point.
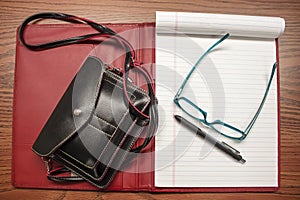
(53, 175)
(102, 31)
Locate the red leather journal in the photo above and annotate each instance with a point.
(40, 80)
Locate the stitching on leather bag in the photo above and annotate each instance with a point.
(65, 153)
(106, 122)
(139, 130)
(89, 111)
(92, 166)
(119, 145)
(99, 130)
(115, 153)
(88, 166)
(134, 87)
(98, 87)
(97, 160)
(134, 97)
(105, 171)
(114, 132)
(117, 128)
(117, 79)
(127, 133)
(123, 157)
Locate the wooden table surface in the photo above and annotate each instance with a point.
(13, 12)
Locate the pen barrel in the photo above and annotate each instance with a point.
(220, 145)
(199, 132)
(224, 148)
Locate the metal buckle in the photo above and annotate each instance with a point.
(48, 163)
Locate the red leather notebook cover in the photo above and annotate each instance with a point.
(41, 78)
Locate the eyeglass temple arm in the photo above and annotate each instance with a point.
(262, 102)
(197, 63)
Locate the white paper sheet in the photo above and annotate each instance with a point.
(228, 84)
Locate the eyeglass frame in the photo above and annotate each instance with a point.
(244, 133)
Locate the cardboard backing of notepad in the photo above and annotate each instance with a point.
(41, 78)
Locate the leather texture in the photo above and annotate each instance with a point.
(63, 124)
(42, 78)
(93, 142)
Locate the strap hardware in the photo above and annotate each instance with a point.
(115, 70)
(48, 163)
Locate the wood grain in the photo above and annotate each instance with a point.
(13, 12)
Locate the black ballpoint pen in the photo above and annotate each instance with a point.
(221, 145)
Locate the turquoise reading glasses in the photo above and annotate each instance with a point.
(219, 126)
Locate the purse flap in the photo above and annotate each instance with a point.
(74, 108)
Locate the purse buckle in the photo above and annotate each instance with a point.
(48, 163)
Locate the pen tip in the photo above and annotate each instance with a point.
(242, 161)
(177, 117)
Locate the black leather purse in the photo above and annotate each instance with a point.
(100, 116)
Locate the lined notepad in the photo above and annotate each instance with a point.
(228, 84)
